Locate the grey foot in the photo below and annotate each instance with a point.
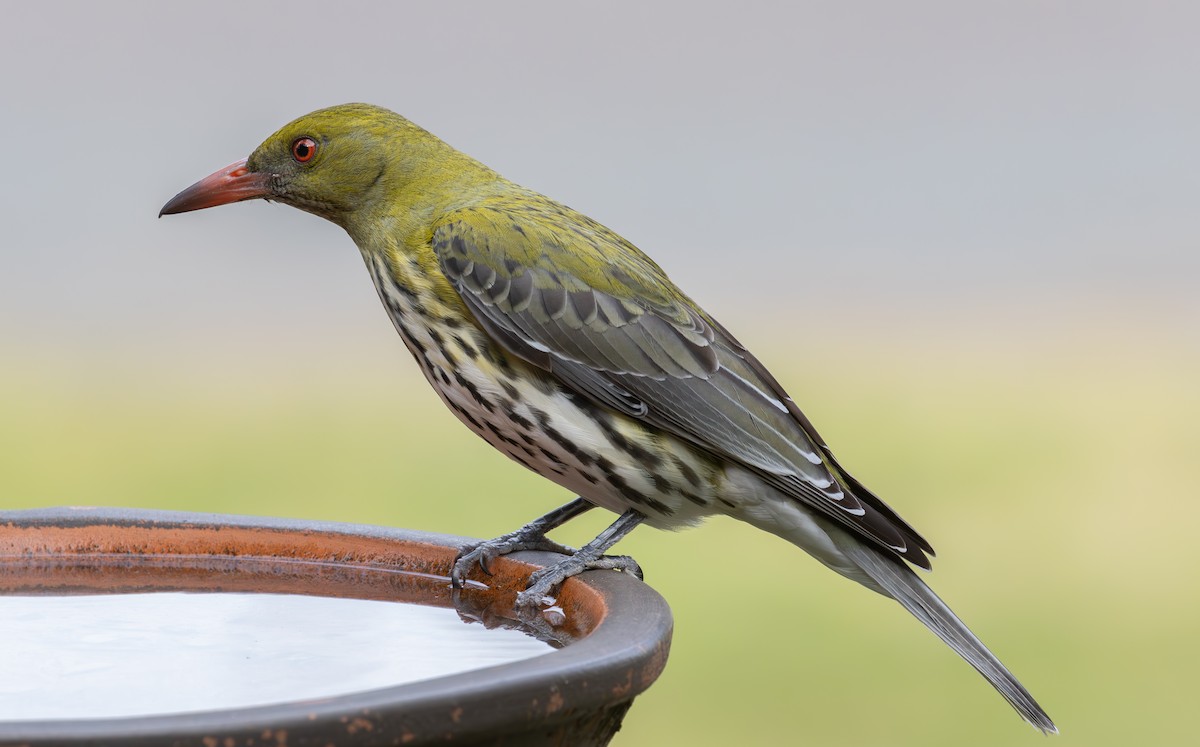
(483, 553)
(543, 584)
(532, 536)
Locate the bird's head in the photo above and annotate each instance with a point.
(333, 162)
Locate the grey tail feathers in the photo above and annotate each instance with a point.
(902, 584)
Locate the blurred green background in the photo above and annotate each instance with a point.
(1055, 480)
(964, 236)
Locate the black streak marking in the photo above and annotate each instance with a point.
(688, 473)
(500, 435)
(474, 391)
(648, 459)
(466, 347)
(517, 418)
(635, 497)
(466, 416)
(551, 456)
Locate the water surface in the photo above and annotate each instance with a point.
(115, 655)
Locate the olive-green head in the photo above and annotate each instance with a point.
(335, 163)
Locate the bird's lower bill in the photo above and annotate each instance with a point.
(233, 183)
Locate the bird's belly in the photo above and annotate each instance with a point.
(607, 458)
(594, 453)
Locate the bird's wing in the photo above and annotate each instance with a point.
(589, 308)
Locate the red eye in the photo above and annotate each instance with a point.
(304, 149)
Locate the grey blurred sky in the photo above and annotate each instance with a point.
(832, 157)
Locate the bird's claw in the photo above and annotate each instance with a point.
(481, 555)
(484, 554)
(544, 583)
(623, 563)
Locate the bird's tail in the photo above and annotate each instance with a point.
(901, 583)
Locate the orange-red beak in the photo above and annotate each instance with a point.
(233, 183)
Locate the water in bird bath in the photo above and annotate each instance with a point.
(119, 655)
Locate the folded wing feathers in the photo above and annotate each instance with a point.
(704, 385)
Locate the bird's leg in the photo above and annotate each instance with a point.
(589, 557)
(532, 536)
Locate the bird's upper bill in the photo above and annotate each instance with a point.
(233, 183)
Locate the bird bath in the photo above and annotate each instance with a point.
(145, 628)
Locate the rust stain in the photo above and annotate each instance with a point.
(623, 689)
(655, 663)
(359, 723)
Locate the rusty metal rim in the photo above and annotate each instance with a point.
(618, 659)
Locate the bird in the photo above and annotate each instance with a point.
(569, 350)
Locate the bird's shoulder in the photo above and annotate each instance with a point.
(516, 231)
